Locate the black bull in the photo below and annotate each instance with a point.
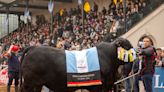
(47, 66)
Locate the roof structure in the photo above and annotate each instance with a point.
(18, 6)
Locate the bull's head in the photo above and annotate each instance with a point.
(124, 43)
(125, 51)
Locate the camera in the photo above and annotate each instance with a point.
(140, 44)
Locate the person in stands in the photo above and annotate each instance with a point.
(162, 60)
(159, 57)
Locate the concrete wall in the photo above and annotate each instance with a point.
(153, 25)
(59, 5)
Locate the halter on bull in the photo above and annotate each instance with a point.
(47, 66)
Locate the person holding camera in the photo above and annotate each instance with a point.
(148, 54)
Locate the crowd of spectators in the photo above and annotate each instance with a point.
(68, 29)
(160, 57)
(69, 32)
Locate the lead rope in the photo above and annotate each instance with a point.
(139, 70)
(133, 74)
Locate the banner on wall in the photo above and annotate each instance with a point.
(158, 80)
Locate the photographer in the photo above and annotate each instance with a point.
(148, 54)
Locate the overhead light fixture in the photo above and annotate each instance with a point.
(15, 4)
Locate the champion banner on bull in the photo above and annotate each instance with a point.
(158, 80)
(83, 68)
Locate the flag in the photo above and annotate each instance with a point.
(115, 1)
(61, 12)
(50, 6)
(87, 7)
(26, 15)
(26, 12)
(7, 21)
(79, 2)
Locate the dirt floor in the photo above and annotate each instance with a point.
(4, 89)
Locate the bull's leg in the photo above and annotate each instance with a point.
(105, 90)
(100, 90)
(26, 88)
(38, 89)
(94, 89)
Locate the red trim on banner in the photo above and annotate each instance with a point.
(85, 83)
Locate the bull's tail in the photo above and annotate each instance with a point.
(25, 51)
(21, 60)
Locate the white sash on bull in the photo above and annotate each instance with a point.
(81, 64)
(134, 53)
(126, 59)
(83, 68)
(126, 55)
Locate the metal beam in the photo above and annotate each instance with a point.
(9, 4)
(2, 3)
(66, 1)
(31, 6)
(12, 4)
(12, 12)
(23, 6)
